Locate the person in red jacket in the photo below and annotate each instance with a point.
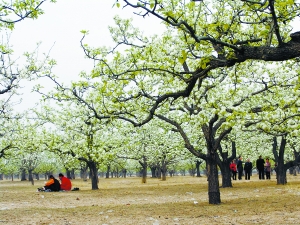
(233, 169)
(65, 183)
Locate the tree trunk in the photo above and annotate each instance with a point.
(94, 174)
(153, 171)
(68, 174)
(164, 171)
(213, 144)
(198, 163)
(281, 169)
(183, 172)
(281, 172)
(84, 173)
(144, 172)
(30, 177)
(23, 175)
(158, 173)
(226, 175)
(192, 172)
(107, 171)
(295, 171)
(224, 165)
(213, 181)
(73, 174)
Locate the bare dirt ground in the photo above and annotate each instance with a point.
(179, 200)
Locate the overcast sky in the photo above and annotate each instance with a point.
(59, 28)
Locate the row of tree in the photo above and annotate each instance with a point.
(222, 79)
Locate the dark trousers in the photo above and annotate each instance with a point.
(233, 175)
(240, 174)
(268, 175)
(261, 174)
(247, 174)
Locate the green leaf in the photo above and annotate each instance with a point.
(183, 57)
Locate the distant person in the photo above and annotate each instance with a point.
(268, 169)
(65, 184)
(248, 169)
(239, 166)
(52, 184)
(260, 166)
(233, 170)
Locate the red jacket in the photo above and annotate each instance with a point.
(65, 183)
(232, 167)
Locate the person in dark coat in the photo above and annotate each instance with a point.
(52, 184)
(248, 169)
(239, 166)
(260, 166)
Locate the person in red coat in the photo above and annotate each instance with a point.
(65, 183)
(233, 169)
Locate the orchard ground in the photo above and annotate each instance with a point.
(179, 200)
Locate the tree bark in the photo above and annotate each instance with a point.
(158, 172)
(144, 169)
(153, 171)
(226, 175)
(198, 163)
(30, 177)
(68, 173)
(224, 165)
(73, 174)
(107, 172)
(94, 174)
(23, 175)
(281, 168)
(164, 171)
(213, 180)
(84, 173)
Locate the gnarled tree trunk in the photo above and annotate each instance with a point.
(279, 158)
(213, 180)
(94, 174)
(144, 165)
(224, 165)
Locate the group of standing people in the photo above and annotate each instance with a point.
(263, 167)
(54, 185)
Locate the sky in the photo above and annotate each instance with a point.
(59, 29)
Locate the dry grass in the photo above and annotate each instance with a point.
(179, 200)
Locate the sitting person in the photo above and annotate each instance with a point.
(66, 184)
(52, 184)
